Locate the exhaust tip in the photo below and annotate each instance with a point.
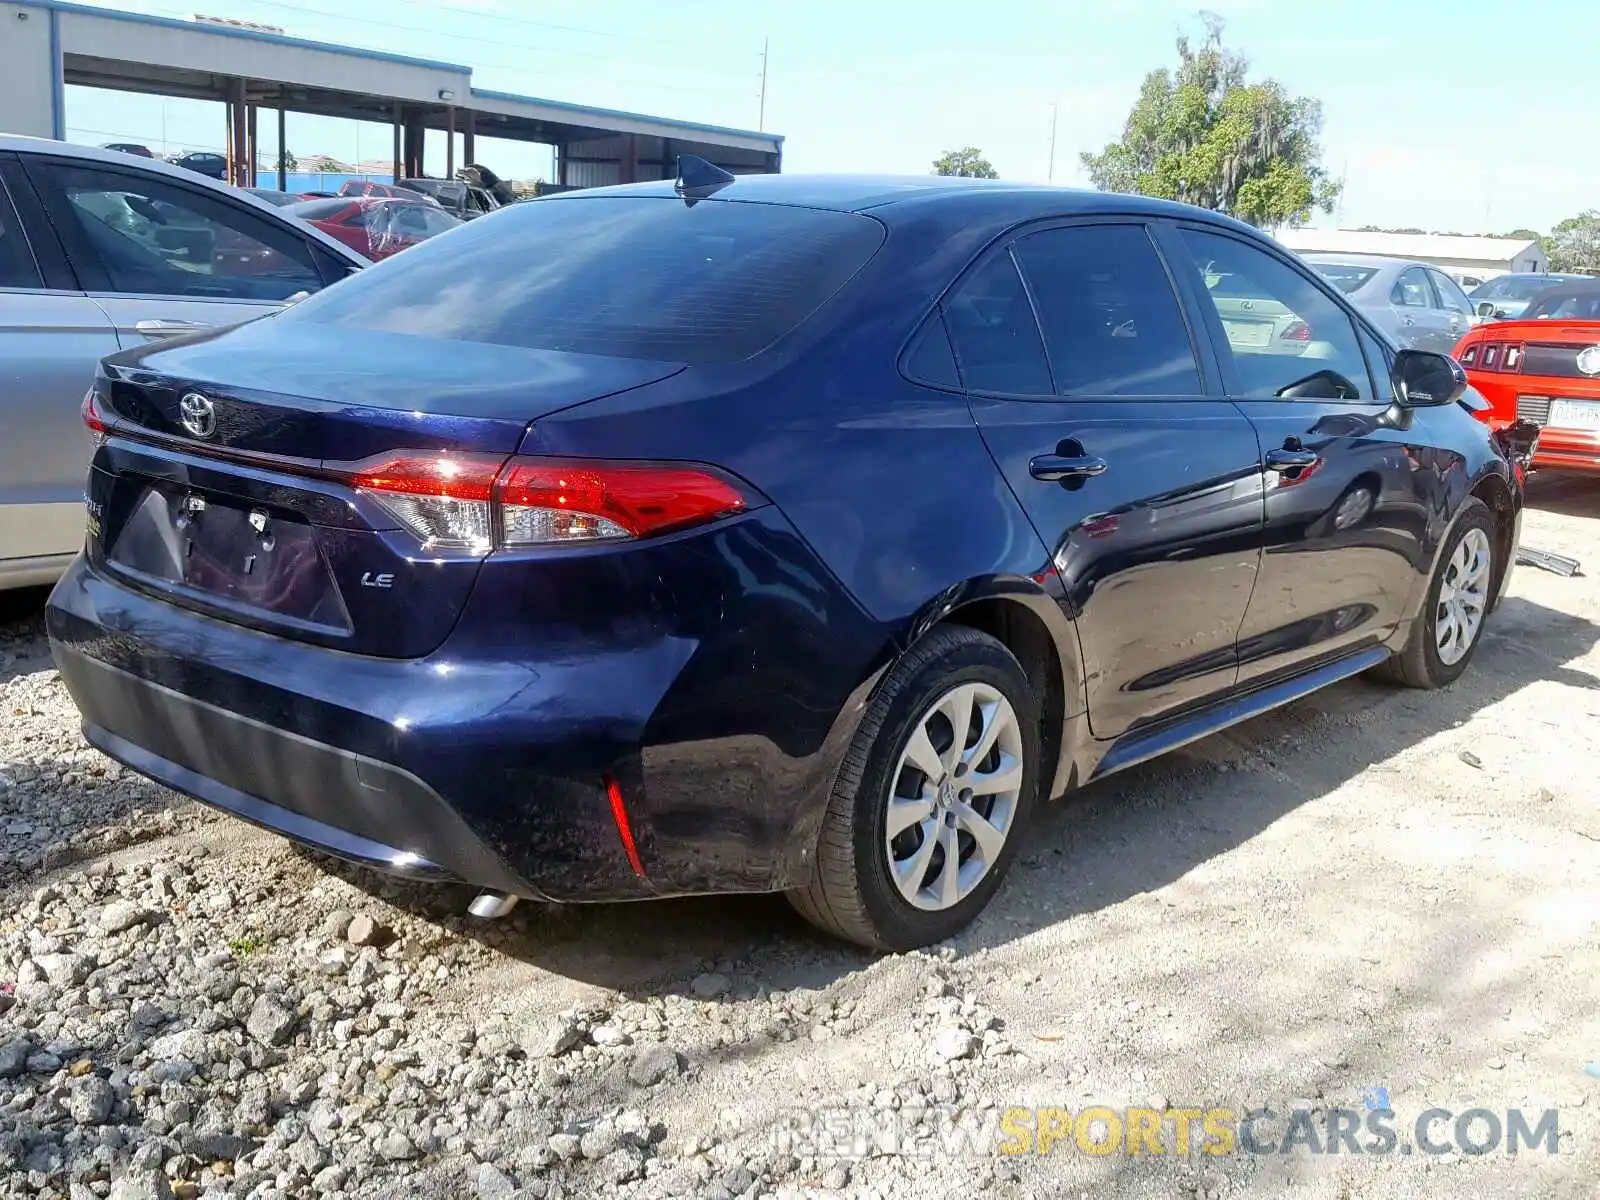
(491, 906)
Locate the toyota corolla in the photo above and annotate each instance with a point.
(770, 534)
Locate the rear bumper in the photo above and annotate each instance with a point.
(486, 761)
(226, 760)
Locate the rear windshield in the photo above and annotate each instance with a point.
(318, 210)
(1515, 287)
(1344, 276)
(627, 276)
(1565, 305)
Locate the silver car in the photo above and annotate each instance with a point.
(1416, 304)
(101, 251)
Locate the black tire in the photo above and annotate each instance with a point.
(851, 893)
(1418, 665)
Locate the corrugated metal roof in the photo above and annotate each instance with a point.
(1404, 245)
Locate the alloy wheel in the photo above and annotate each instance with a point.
(1463, 598)
(953, 796)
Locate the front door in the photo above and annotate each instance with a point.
(1142, 481)
(1342, 523)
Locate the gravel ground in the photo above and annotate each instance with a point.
(1371, 888)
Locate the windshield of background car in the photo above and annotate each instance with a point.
(1347, 277)
(1514, 287)
(1566, 306)
(631, 277)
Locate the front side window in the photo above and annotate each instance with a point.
(1111, 321)
(1411, 290)
(1286, 339)
(152, 238)
(1451, 295)
(995, 336)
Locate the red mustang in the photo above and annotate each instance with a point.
(1544, 368)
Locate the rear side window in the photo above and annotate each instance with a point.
(149, 236)
(17, 268)
(630, 277)
(929, 359)
(995, 336)
(1111, 320)
(1411, 290)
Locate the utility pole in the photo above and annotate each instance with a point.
(1050, 174)
(761, 119)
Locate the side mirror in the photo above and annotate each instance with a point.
(1488, 311)
(1423, 379)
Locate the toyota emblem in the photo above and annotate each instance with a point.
(199, 415)
(1589, 360)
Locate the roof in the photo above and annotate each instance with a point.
(1405, 245)
(860, 193)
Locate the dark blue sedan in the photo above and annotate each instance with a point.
(770, 534)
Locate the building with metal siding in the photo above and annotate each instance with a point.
(45, 44)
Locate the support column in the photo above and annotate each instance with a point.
(629, 167)
(283, 148)
(237, 148)
(411, 160)
(561, 166)
(397, 155)
(252, 146)
(469, 150)
(450, 142)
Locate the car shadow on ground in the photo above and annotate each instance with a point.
(1565, 494)
(21, 624)
(1128, 835)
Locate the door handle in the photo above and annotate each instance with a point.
(165, 328)
(1063, 468)
(1287, 459)
(1407, 321)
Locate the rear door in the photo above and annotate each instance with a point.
(51, 336)
(1141, 479)
(162, 258)
(1420, 320)
(1342, 525)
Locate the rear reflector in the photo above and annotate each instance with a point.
(478, 502)
(619, 814)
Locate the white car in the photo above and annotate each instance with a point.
(101, 251)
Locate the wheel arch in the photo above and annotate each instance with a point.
(1021, 614)
(1496, 493)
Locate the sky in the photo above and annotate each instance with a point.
(1455, 116)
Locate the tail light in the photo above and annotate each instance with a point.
(93, 420)
(1299, 331)
(479, 502)
(1494, 356)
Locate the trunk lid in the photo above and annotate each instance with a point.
(228, 479)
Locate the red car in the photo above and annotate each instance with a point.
(1544, 368)
(375, 226)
